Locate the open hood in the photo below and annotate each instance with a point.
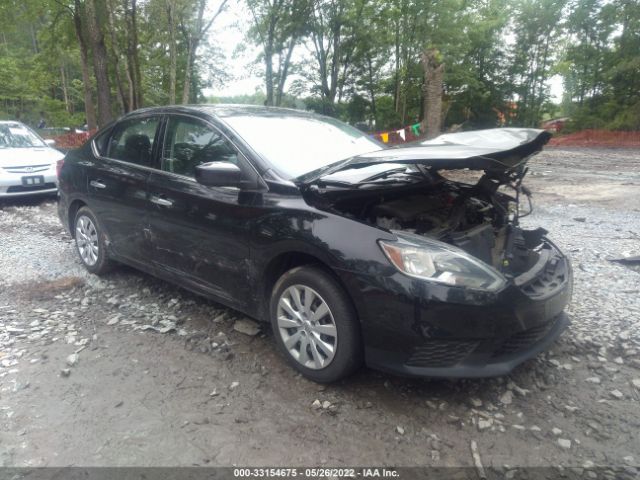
(496, 149)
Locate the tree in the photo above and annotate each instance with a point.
(89, 107)
(537, 25)
(433, 81)
(277, 27)
(96, 17)
(194, 31)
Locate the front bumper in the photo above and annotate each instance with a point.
(414, 328)
(11, 184)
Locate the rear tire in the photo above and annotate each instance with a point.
(315, 325)
(91, 242)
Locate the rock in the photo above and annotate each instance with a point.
(234, 385)
(475, 402)
(316, 404)
(628, 460)
(400, 430)
(246, 326)
(616, 394)
(113, 320)
(484, 424)
(535, 428)
(214, 393)
(619, 360)
(72, 359)
(326, 404)
(65, 372)
(595, 380)
(636, 383)
(564, 443)
(556, 431)
(507, 398)
(580, 219)
(520, 391)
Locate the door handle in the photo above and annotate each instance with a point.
(163, 202)
(97, 184)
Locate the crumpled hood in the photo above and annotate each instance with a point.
(22, 157)
(491, 149)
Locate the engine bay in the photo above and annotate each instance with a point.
(475, 218)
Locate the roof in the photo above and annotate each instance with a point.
(227, 110)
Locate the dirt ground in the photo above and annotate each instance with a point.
(161, 378)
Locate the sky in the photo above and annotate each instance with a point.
(229, 36)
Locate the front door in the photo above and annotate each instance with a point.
(117, 187)
(199, 233)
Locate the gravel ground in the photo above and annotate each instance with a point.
(128, 370)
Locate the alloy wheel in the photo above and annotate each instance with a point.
(307, 327)
(87, 240)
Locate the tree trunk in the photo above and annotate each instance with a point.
(134, 59)
(116, 60)
(268, 60)
(65, 92)
(194, 37)
(284, 72)
(194, 40)
(432, 88)
(372, 91)
(186, 88)
(95, 17)
(171, 20)
(89, 108)
(396, 69)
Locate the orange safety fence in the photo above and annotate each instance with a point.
(597, 138)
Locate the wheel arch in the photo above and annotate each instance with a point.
(285, 261)
(74, 206)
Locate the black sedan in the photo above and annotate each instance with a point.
(354, 252)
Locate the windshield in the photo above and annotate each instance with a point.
(296, 145)
(14, 135)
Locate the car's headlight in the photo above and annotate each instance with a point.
(435, 261)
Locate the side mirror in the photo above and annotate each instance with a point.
(220, 174)
(50, 141)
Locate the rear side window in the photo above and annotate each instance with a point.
(132, 141)
(190, 142)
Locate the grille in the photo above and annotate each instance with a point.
(32, 188)
(441, 353)
(522, 340)
(26, 169)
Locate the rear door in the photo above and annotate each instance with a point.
(117, 186)
(200, 234)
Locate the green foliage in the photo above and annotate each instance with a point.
(359, 60)
(601, 67)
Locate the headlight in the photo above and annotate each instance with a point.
(435, 261)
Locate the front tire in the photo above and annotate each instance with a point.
(91, 242)
(315, 325)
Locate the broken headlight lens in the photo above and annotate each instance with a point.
(435, 261)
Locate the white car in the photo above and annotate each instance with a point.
(27, 162)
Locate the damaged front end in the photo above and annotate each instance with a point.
(456, 234)
(402, 190)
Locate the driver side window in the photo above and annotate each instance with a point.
(190, 142)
